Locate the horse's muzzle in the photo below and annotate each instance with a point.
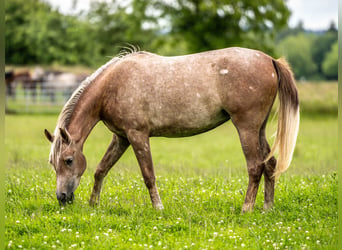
(64, 198)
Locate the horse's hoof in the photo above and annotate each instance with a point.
(268, 206)
(93, 202)
(247, 208)
(158, 206)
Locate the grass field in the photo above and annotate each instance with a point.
(202, 182)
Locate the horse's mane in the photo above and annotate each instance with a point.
(65, 115)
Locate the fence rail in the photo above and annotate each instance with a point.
(39, 90)
(37, 101)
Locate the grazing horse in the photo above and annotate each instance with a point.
(142, 95)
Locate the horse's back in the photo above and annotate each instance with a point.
(186, 95)
(218, 77)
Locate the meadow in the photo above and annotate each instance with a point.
(202, 182)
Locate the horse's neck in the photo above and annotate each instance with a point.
(84, 117)
(86, 112)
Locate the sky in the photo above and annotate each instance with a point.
(315, 14)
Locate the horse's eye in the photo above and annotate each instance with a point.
(68, 161)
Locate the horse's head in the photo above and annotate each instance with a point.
(69, 163)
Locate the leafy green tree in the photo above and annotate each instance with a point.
(35, 33)
(322, 45)
(330, 63)
(215, 24)
(297, 50)
(289, 31)
(116, 26)
(18, 29)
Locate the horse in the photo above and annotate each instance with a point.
(141, 95)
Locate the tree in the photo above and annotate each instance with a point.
(288, 31)
(35, 33)
(18, 24)
(297, 50)
(322, 45)
(330, 63)
(206, 25)
(116, 25)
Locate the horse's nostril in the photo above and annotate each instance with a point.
(70, 199)
(61, 196)
(64, 198)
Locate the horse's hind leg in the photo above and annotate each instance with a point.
(249, 138)
(141, 147)
(268, 171)
(114, 151)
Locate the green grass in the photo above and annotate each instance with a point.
(202, 182)
(318, 98)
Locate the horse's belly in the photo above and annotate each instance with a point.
(182, 125)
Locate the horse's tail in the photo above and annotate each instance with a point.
(288, 117)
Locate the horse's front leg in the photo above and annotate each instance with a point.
(114, 151)
(141, 146)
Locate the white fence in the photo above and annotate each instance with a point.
(38, 100)
(39, 91)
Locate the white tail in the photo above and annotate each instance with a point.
(288, 117)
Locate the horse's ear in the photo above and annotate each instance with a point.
(65, 135)
(49, 136)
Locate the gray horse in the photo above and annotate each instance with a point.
(142, 95)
